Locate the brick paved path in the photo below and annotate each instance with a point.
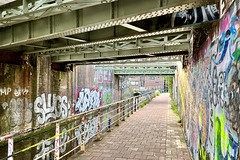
(150, 133)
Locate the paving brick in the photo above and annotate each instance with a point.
(150, 133)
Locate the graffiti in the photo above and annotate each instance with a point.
(196, 15)
(64, 138)
(107, 96)
(19, 92)
(44, 147)
(105, 76)
(92, 127)
(52, 108)
(18, 111)
(77, 133)
(209, 92)
(225, 4)
(87, 99)
(5, 91)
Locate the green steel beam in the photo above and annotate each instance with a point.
(139, 41)
(134, 53)
(154, 67)
(144, 72)
(155, 60)
(36, 9)
(163, 69)
(86, 20)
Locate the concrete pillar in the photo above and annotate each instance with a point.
(116, 88)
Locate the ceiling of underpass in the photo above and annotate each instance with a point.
(87, 31)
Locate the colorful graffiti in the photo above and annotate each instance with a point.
(87, 99)
(209, 91)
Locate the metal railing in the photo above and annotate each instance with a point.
(114, 112)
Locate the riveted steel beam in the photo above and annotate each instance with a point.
(166, 66)
(143, 72)
(36, 9)
(86, 20)
(155, 60)
(140, 42)
(164, 69)
(148, 51)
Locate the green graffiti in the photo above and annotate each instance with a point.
(236, 54)
(107, 98)
(222, 139)
(202, 154)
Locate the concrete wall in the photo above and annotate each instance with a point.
(31, 96)
(208, 92)
(92, 88)
(95, 88)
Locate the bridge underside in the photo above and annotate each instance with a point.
(120, 30)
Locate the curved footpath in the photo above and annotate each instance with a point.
(150, 133)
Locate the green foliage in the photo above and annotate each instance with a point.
(179, 121)
(174, 107)
(157, 93)
(144, 103)
(170, 85)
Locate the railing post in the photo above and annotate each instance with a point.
(83, 148)
(109, 122)
(123, 111)
(128, 104)
(132, 107)
(56, 156)
(136, 102)
(118, 117)
(99, 127)
(10, 147)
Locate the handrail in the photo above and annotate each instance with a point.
(116, 114)
(6, 137)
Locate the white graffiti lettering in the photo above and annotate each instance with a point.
(18, 111)
(87, 100)
(19, 92)
(55, 107)
(45, 147)
(5, 91)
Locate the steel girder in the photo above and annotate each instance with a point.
(144, 44)
(166, 37)
(167, 69)
(85, 20)
(135, 61)
(143, 72)
(36, 9)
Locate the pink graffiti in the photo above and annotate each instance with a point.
(105, 76)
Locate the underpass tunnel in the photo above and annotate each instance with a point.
(61, 58)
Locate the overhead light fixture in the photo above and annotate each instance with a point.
(74, 39)
(133, 27)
